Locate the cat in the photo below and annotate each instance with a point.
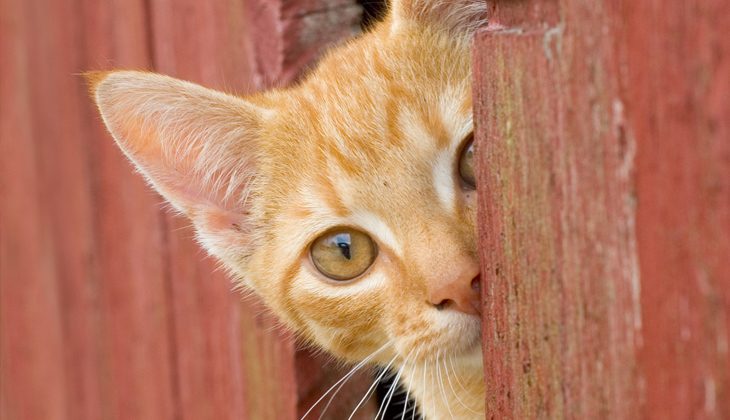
(347, 202)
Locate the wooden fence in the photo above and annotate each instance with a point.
(604, 147)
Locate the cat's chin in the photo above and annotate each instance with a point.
(466, 341)
(471, 359)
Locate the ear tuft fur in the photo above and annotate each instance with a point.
(93, 78)
(455, 16)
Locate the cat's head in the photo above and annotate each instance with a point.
(347, 202)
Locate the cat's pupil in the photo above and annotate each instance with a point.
(343, 242)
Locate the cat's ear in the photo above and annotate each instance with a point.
(455, 16)
(195, 145)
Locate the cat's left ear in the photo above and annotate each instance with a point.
(195, 145)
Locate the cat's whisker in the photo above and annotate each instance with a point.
(433, 391)
(332, 398)
(344, 379)
(393, 387)
(442, 388)
(453, 369)
(453, 390)
(372, 387)
(386, 400)
(342, 383)
(408, 393)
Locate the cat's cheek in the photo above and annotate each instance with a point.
(345, 319)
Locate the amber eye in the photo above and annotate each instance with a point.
(466, 162)
(343, 253)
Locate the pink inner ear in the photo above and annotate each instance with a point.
(216, 219)
(223, 232)
(194, 145)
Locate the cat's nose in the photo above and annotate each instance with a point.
(462, 292)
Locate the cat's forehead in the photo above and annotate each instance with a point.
(368, 143)
(393, 136)
(363, 110)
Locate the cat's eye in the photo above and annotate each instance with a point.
(466, 162)
(343, 254)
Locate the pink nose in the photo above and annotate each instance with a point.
(461, 293)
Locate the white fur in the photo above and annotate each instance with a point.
(443, 180)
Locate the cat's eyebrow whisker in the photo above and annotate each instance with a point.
(344, 379)
(453, 390)
(370, 390)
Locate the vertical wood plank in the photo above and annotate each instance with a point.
(101, 369)
(679, 91)
(31, 360)
(605, 209)
(129, 314)
(211, 43)
(556, 206)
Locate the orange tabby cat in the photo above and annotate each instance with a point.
(346, 202)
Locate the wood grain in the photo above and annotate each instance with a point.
(678, 85)
(604, 202)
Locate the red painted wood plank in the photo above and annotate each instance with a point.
(211, 43)
(129, 314)
(561, 298)
(55, 99)
(32, 365)
(204, 313)
(679, 91)
(605, 208)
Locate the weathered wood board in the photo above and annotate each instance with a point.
(603, 133)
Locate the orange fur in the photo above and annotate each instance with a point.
(369, 140)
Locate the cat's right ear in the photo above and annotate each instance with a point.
(197, 146)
